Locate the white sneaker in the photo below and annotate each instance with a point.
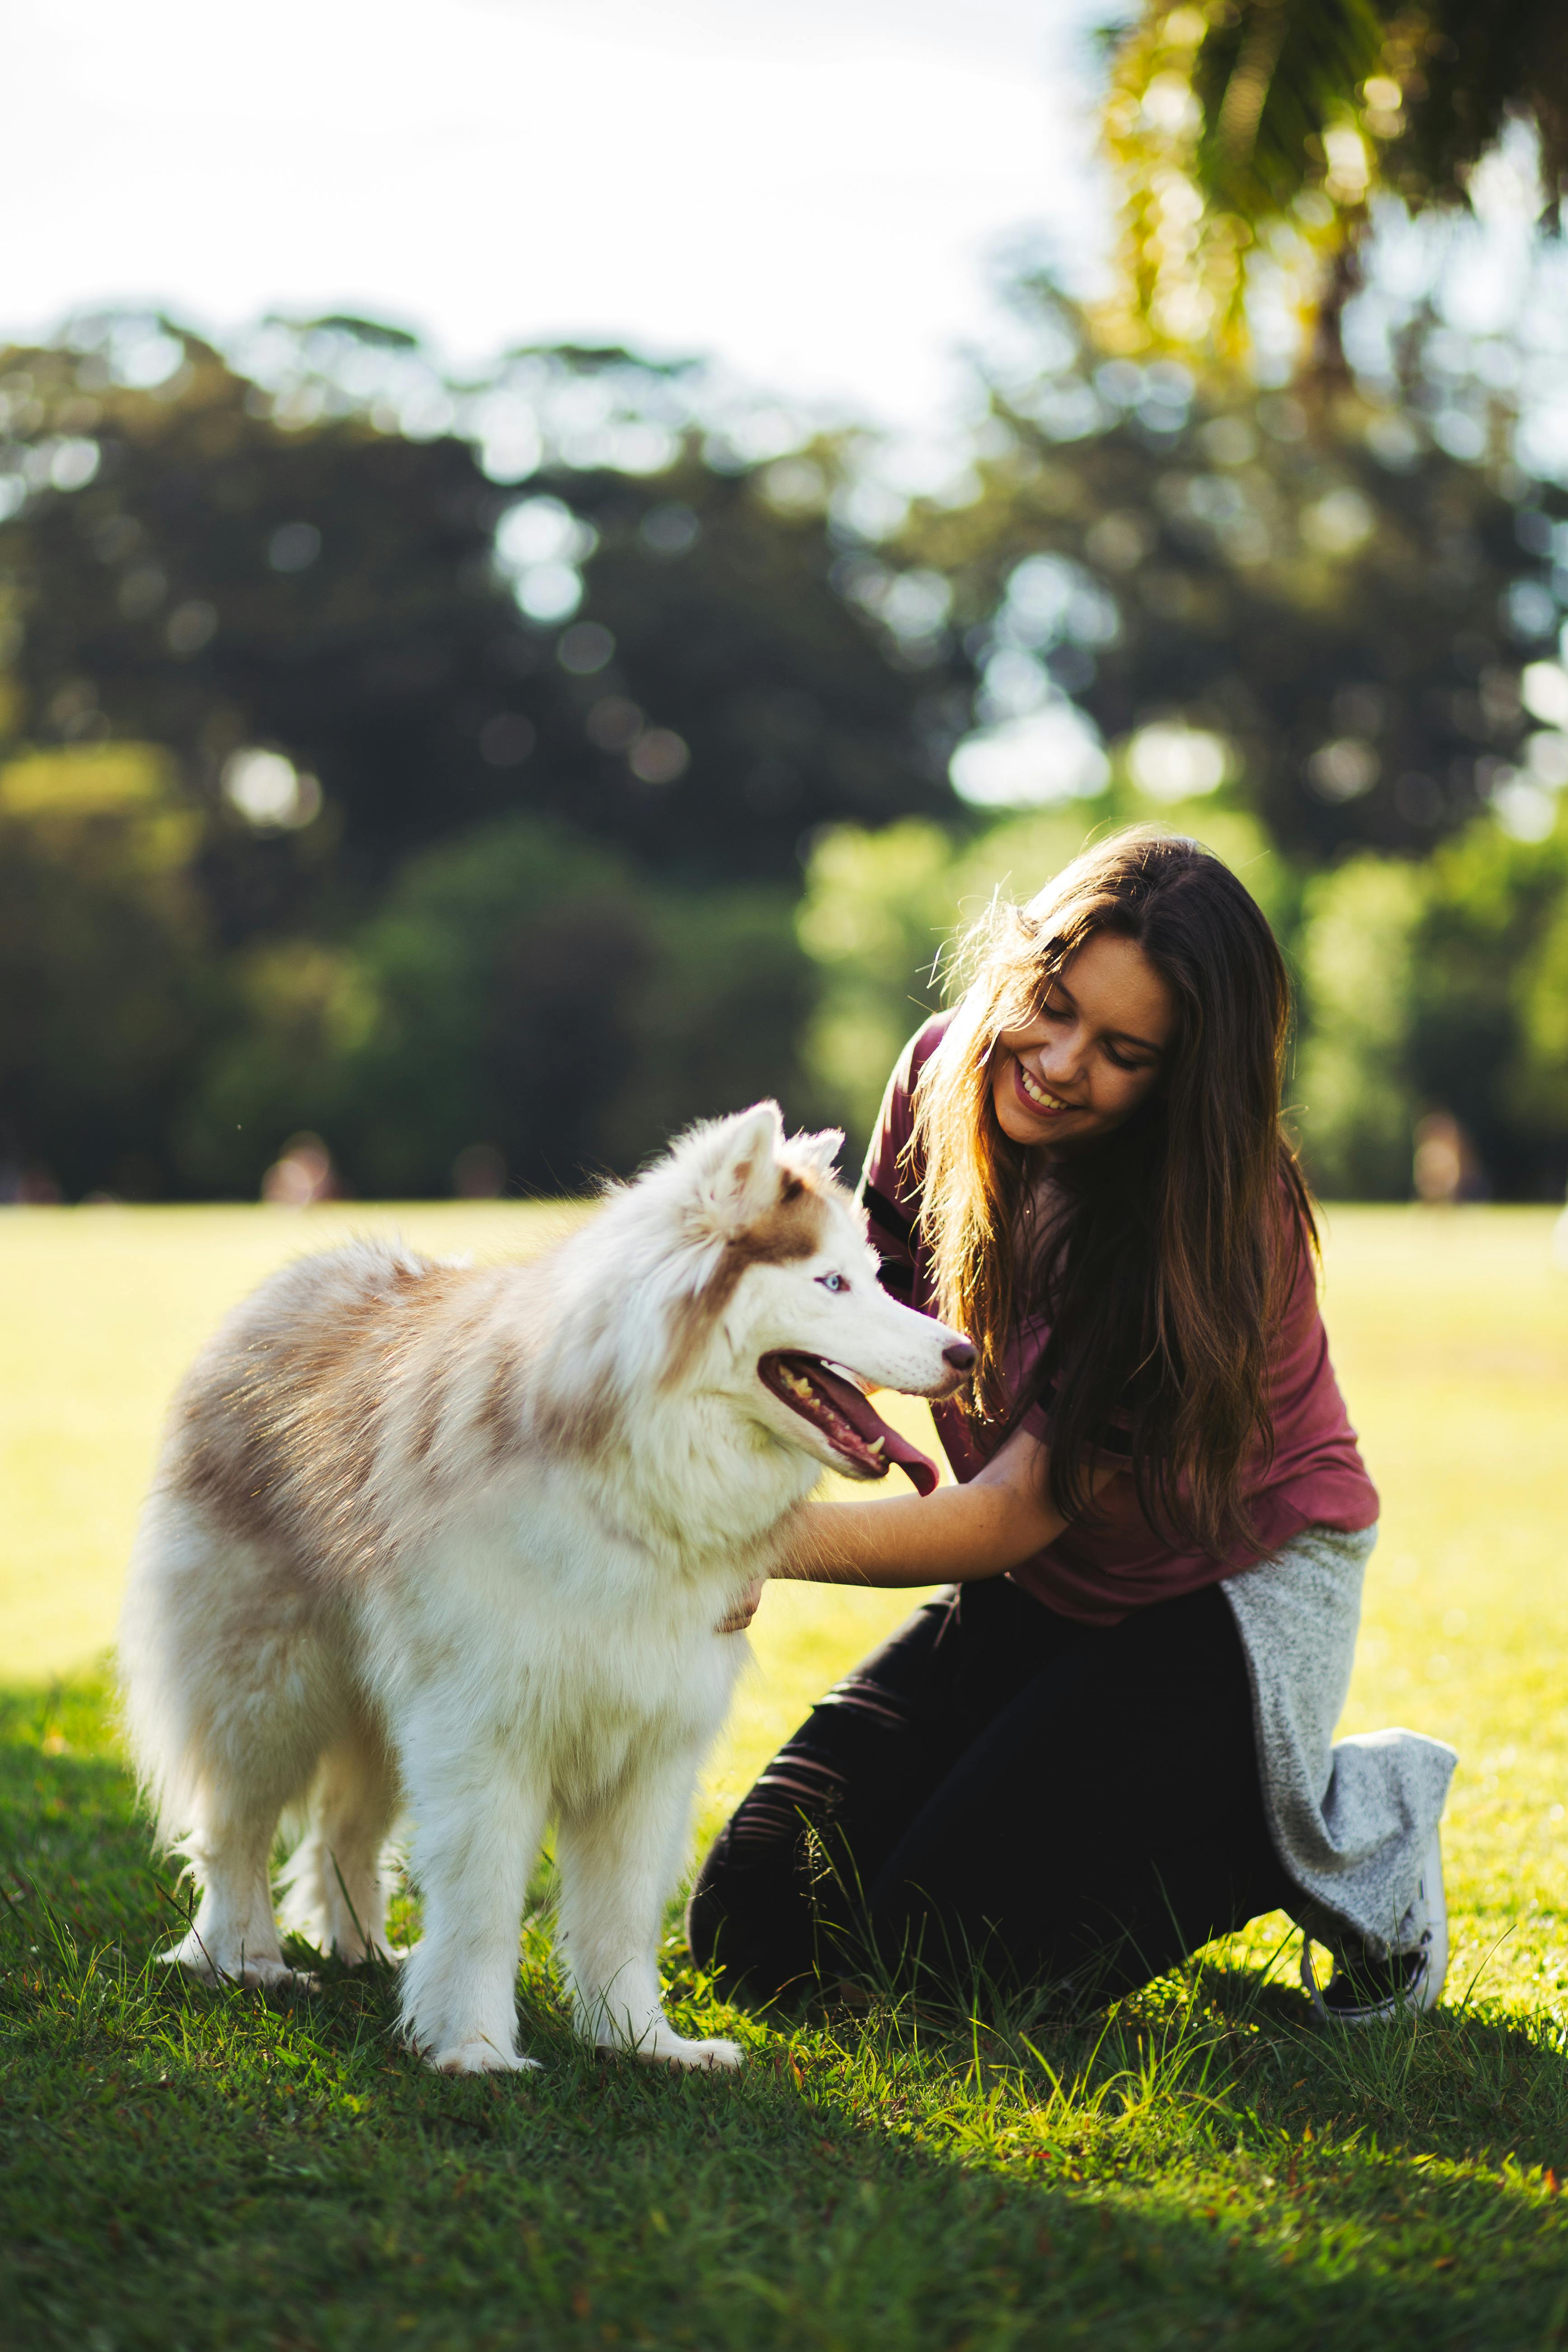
(1367, 1991)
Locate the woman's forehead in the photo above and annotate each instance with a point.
(1114, 984)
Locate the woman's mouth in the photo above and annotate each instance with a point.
(1036, 1098)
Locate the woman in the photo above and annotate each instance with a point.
(1108, 1741)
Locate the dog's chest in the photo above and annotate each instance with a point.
(576, 1655)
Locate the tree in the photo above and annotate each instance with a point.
(486, 721)
(108, 993)
(1246, 125)
(1342, 610)
(521, 992)
(662, 656)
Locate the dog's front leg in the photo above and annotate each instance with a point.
(619, 1854)
(478, 1822)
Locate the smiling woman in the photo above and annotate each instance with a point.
(1110, 1740)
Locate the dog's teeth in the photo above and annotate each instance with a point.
(877, 1445)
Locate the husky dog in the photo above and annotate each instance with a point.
(459, 1540)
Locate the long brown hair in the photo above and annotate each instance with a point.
(1173, 1241)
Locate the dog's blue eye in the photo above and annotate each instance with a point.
(833, 1282)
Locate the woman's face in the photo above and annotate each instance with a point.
(1093, 1051)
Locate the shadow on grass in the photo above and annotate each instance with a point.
(184, 2167)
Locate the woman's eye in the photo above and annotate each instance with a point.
(833, 1282)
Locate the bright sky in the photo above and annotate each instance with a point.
(812, 191)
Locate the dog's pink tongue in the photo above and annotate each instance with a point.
(921, 1468)
(868, 1423)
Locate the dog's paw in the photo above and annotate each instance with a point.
(277, 1976)
(480, 2058)
(194, 1960)
(672, 2050)
(271, 1976)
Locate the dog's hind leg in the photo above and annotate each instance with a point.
(232, 1933)
(619, 1854)
(229, 1694)
(334, 1885)
(478, 1821)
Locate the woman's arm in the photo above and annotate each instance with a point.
(957, 1535)
(999, 1519)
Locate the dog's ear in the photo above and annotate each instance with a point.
(816, 1153)
(738, 1173)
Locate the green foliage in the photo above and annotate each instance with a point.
(1243, 125)
(568, 678)
(1353, 1084)
(106, 990)
(1349, 612)
(539, 901)
(181, 2167)
(660, 656)
(520, 988)
(1442, 987)
(1492, 1000)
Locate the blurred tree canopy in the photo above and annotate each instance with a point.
(1245, 129)
(662, 656)
(483, 730)
(1343, 609)
(491, 777)
(522, 987)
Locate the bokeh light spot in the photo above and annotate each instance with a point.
(614, 724)
(190, 627)
(1172, 763)
(294, 547)
(506, 740)
(268, 790)
(670, 529)
(1053, 755)
(659, 757)
(585, 649)
(1342, 770)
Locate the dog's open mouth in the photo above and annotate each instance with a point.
(846, 1416)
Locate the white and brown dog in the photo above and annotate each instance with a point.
(458, 1539)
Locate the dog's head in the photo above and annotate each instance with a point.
(779, 1304)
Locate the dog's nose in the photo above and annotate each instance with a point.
(960, 1355)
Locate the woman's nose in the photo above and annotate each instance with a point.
(1059, 1060)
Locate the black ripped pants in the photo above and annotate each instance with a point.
(1068, 1806)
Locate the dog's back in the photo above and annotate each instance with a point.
(345, 1386)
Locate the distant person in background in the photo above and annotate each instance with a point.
(1109, 1741)
(1446, 1167)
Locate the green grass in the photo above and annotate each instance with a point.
(180, 2168)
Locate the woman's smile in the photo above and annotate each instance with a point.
(1037, 1097)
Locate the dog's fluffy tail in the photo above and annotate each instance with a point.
(227, 1695)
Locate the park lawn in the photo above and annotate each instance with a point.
(180, 2167)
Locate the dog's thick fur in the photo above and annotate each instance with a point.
(457, 1541)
